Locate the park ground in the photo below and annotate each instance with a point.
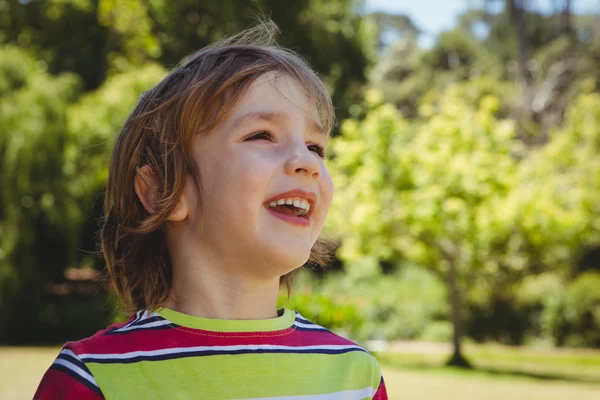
(411, 370)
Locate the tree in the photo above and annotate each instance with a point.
(407, 73)
(457, 193)
(34, 226)
(54, 149)
(95, 38)
(393, 26)
(65, 95)
(420, 194)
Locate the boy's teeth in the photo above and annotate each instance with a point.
(302, 204)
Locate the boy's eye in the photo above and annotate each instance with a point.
(264, 135)
(318, 149)
(267, 135)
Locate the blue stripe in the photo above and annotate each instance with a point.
(78, 378)
(73, 360)
(136, 317)
(204, 353)
(319, 329)
(147, 321)
(304, 321)
(153, 328)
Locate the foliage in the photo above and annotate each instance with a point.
(401, 305)
(468, 177)
(97, 38)
(457, 193)
(325, 310)
(54, 147)
(572, 314)
(407, 73)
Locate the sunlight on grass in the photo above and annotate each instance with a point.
(413, 385)
(500, 372)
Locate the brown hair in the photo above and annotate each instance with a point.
(191, 100)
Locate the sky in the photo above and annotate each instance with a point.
(434, 16)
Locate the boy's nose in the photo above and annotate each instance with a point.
(303, 161)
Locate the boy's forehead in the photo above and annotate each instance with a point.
(274, 117)
(275, 97)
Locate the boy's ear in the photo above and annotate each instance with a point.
(145, 188)
(181, 210)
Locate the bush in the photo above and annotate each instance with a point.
(326, 311)
(397, 306)
(572, 316)
(438, 331)
(501, 319)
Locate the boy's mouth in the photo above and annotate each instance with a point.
(294, 206)
(291, 206)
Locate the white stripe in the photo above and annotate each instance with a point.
(298, 315)
(130, 325)
(301, 325)
(69, 353)
(76, 369)
(138, 316)
(148, 325)
(183, 350)
(357, 394)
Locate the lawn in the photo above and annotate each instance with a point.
(411, 371)
(501, 373)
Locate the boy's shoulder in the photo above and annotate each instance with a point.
(328, 337)
(118, 336)
(361, 360)
(304, 324)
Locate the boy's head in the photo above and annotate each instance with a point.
(204, 163)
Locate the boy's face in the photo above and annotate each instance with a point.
(268, 151)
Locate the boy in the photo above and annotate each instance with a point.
(217, 192)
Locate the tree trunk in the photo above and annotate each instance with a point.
(517, 12)
(457, 359)
(565, 20)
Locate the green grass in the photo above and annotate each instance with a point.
(501, 373)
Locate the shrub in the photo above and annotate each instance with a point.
(572, 316)
(325, 310)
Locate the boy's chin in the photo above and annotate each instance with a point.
(287, 261)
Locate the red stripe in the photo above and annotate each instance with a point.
(58, 385)
(149, 339)
(381, 393)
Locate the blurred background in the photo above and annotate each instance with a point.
(466, 164)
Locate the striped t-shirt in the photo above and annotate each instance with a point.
(170, 355)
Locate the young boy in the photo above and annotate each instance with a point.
(217, 192)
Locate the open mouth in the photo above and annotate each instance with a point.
(291, 206)
(291, 209)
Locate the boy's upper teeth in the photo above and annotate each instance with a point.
(292, 201)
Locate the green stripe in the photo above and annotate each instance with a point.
(238, 376)
(230, 325)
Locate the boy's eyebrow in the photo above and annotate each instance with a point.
(272, 117)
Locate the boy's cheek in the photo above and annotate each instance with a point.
(327, 188)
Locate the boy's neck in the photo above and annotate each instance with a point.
(219, 298)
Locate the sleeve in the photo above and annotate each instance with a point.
(68, 378)
(381, 393)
